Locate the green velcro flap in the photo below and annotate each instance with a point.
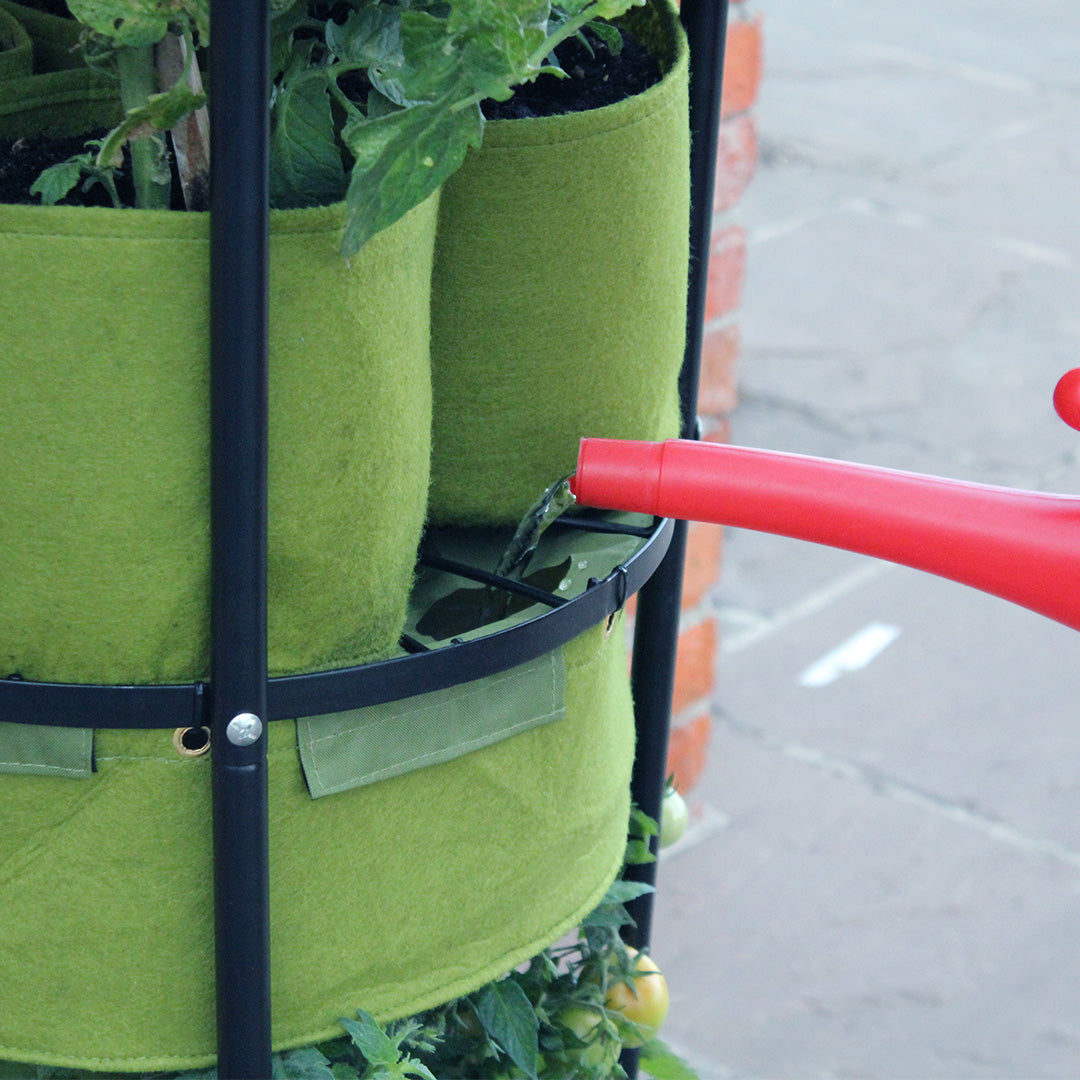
(350, 749)
(36, 750)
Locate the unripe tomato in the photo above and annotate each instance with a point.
(647, 1003)
(601, 1050)
(674, 817)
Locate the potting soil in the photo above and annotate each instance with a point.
(596, 76)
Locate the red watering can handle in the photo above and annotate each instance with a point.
(1023, 546)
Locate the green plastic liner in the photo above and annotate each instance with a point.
(16, 49)
(559, 295)
(56, 95)
(55, 39)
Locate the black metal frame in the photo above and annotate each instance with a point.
(239, 318)
(656, 634)
(659, 604)
(240, 699)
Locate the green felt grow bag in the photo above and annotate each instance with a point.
(392, 896)
(104, 539)
(559, 294)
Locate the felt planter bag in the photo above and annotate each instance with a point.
(104, 576)
(403, 872)
(559, 294)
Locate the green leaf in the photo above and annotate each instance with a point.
(307, 1063)
(371, 1040)
(401, 158)
(161, 112)
(611, 916)
(370, 36)
(609, 35)
(622, 892)
(428, 66)
(509, 1018)
(305, 158)
(496, 41)
(383, 1053)
(659, 1061)
(141, 22)
(57, 180)
(638, 852)
(611, 9)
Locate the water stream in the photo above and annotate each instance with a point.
(519, 552)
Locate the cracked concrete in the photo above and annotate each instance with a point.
(883, 874)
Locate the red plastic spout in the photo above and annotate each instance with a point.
(1023, 546)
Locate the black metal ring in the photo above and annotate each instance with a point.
(179, 706)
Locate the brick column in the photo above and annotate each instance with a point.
(737, 158)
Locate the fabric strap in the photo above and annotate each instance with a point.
(33, 750)
(350, 749)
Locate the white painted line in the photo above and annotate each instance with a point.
(756, 628)
(852, 655)
(1038, 253)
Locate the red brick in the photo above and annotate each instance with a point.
(695, 664)
(736, 160)
(727, 271)
(687, 750)
(704, 548)
(716, 429)
(717, 392)
(742, 65)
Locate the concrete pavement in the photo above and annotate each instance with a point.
(883, 877)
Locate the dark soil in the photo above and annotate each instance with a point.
(53, 7)
(597, 78)
(22, 161)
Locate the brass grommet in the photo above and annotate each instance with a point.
(191, 741)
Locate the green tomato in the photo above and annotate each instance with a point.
(674, 817)
(601, 1050)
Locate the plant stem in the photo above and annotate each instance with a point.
(149, 162)
(175, 60)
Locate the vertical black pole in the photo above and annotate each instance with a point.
(657, 622)
(656, 634)
(239, 243)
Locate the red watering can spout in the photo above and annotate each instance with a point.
(1023, 546)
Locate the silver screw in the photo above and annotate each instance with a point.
(244, 729)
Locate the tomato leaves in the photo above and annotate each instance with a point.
(378, 108)
(401, 157)
(135, 23)
(509, 1018)
(659, 1061)
(305, 158)
(422, 68)
(382, 1050)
